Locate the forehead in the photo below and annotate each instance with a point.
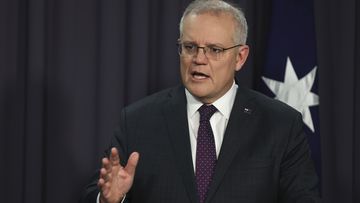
(209, 28)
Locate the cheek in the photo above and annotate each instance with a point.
(184, 66)
(182, 75)
(224, 73)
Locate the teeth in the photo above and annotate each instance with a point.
(199, 76)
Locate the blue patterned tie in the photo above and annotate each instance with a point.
(205, 152)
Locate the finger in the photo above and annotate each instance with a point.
(101, 182)
(132, 163)
(102, 197)
(105, 189)
(104, 186)
(114, 157)
(104, 175)
(106, 164)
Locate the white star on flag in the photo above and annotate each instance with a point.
(296, 93)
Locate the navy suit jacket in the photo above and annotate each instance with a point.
(264, 157)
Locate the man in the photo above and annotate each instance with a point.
(208, 140)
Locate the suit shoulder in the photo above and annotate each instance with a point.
(269, 105)
(152, 101)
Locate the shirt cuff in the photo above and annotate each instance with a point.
(98, 198)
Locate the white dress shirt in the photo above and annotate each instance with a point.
(218, 121)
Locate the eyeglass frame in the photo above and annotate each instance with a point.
(206, 49)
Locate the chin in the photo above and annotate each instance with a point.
(199, 92)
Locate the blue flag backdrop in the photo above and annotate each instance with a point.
(290, 71)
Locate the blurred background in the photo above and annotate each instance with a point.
(68, 67)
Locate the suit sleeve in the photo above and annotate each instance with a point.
(298, 179)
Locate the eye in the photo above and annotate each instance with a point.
(189, 47)
(216, 50)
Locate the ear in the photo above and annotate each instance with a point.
(241, 56)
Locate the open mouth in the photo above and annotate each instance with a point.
(199, 75)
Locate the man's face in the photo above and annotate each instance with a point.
(209, 79)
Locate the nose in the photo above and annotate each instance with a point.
(200, 57)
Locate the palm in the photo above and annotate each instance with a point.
(121, 181)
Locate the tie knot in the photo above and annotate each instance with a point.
(206, 112)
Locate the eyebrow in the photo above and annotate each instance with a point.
(207, 44)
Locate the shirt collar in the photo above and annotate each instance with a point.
(223, 104)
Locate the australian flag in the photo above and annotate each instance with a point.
(290, 71)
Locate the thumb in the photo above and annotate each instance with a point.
(132, 163)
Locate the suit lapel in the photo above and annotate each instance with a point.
(176, 120)
(236, 138)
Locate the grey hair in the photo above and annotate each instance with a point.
(217, 7)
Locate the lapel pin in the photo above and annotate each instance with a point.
(247, 110)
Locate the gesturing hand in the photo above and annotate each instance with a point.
(115, 181)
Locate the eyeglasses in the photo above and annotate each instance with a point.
(212, 52)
